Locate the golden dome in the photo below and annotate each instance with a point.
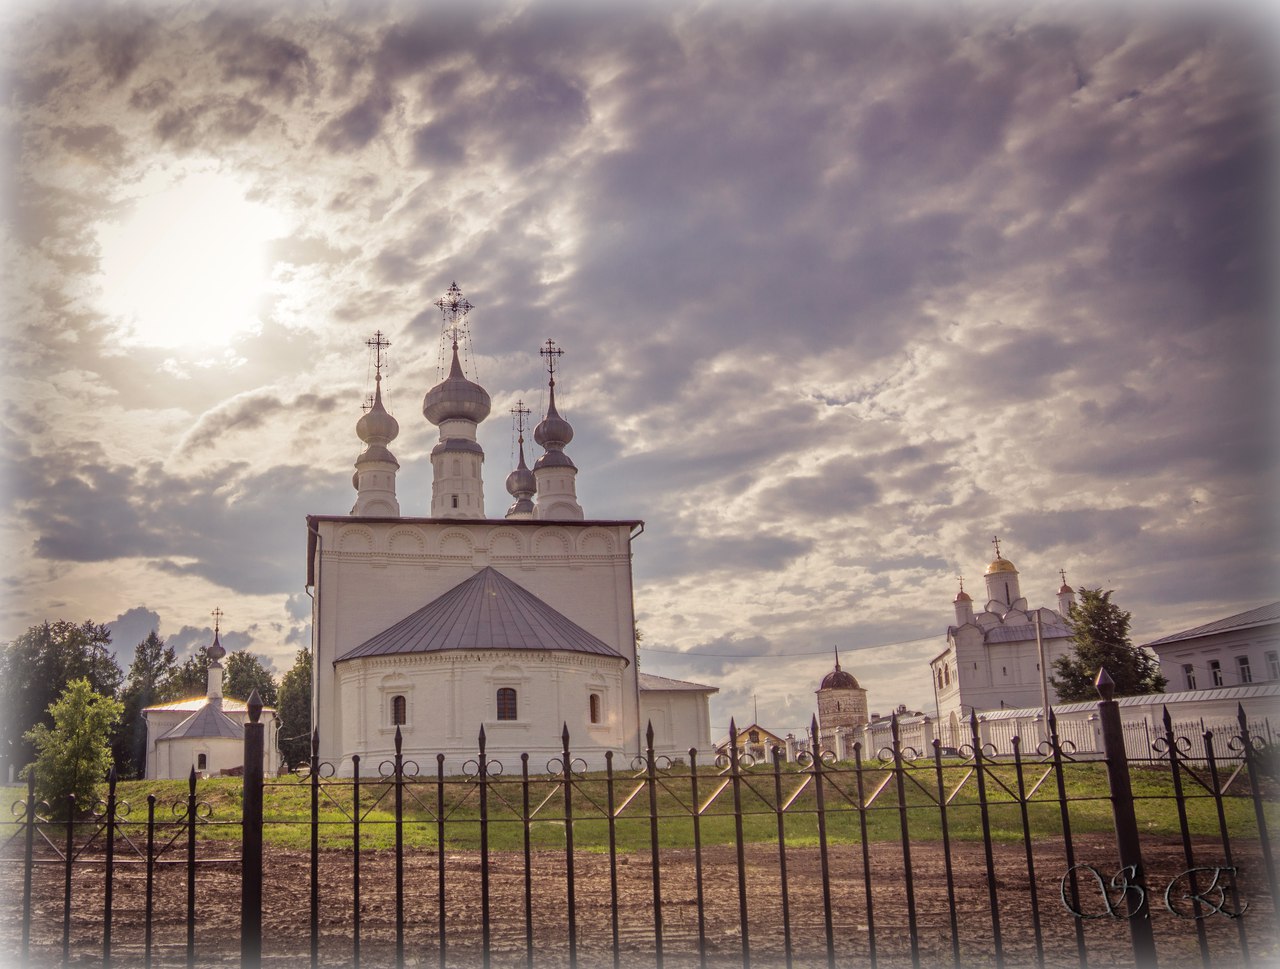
(999, 564)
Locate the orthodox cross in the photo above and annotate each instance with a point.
(378, 343)
(453, 307)
(1063, 573)
(217, 619)
(368, 402)
(961, 578)
(551, 352)
(519, 413)
(995, 540)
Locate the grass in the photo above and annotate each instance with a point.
(287, 805)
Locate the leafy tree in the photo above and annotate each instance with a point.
(294, 710)
(35, 669)
(192, 677)
(152, 677)
(1100, 636)
(74, 755)
(244, 674)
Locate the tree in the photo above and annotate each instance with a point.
(1100, 637)
(74, 755)
(192, 677)
(244, 674)
(35, 669)
(294, 710)
(152, 676)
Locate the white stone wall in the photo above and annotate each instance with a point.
(173, 759)
(1259, 646)
(371, 574)
(681, 720)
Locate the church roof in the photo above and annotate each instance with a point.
(1244, 620)
(486, 611)
(208, 721)
(196, 702)
(650, 682)
(1024, 631)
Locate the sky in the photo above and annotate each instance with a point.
(844, 290)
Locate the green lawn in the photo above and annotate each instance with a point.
(288, 806)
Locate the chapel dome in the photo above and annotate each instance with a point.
(456, 398)
(377, 426)
(553, 430)
(521, 480)
(215, 651)
(838, 679)
(963, 596)
(999, 564)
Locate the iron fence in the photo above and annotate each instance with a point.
(899, 856)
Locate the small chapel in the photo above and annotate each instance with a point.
(440, 626)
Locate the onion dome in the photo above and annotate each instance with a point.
(216, 651)
(999, 564)
(521, 481)
(377, 428)
(456, 398)
(553, 433)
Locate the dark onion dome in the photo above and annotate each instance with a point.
(377, 426)
(456, 398)
(838, 679)
(216, 651)
(553, 431)
(521, 481)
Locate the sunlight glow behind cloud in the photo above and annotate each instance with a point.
(188, 266)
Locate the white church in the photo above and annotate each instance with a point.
(445, 624)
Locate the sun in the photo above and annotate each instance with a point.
(187, 265)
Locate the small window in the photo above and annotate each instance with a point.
(1004, 671)
(946, 673)
(1242, 666)
(455, 501)
(1273, 665)
(202, 761)
(506, 703)
(399, 711)
(595, 707)
(1215, 670)
(754, 736)
(1189, 672)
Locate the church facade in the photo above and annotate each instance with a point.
(441, 626)
(992, 660)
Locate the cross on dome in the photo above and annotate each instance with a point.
(217, 619)
(995, 540)
(378, 344)
(518, 414)
(552, 353)
(1063, 573)
(453, 307)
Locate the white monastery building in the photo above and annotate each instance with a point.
(205, 734)
(443, 625)
(1234, 651)
(993, 657)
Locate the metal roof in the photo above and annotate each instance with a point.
(650, 682)
(195, 703)
(1246, 692)
(486, 611)
(208, 721)
(1254, 617)
(1024, 632)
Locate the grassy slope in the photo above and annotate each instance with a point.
(288, 806)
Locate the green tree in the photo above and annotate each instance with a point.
(244, 674)
(152, 676)
(1100, 639)
(74, 755)
(192, 677)
(294, 710)
(35, 669)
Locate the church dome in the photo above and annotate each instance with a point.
(456, 398)
(377, 426)
(521, 481)
(553, 431)
(838, 679)
(216, 651)
(999, 564)
(963, 596)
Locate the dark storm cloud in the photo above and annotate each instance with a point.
(1077, 529)
(102, 144)
(121, 42)
(276, 66)
(360, 123)
(251, 411)
(229, 118)
(838, 490)
(129, 629)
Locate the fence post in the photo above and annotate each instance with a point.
(251, 840)
(1126, 822)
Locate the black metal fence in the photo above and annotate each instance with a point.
(897, 857)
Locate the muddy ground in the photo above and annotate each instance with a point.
(286, 909)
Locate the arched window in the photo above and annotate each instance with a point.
(399, 711)
(202, 761)
(506, 703)
(595, 707)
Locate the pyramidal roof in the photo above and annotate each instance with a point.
(487, 611)
(208, 721)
